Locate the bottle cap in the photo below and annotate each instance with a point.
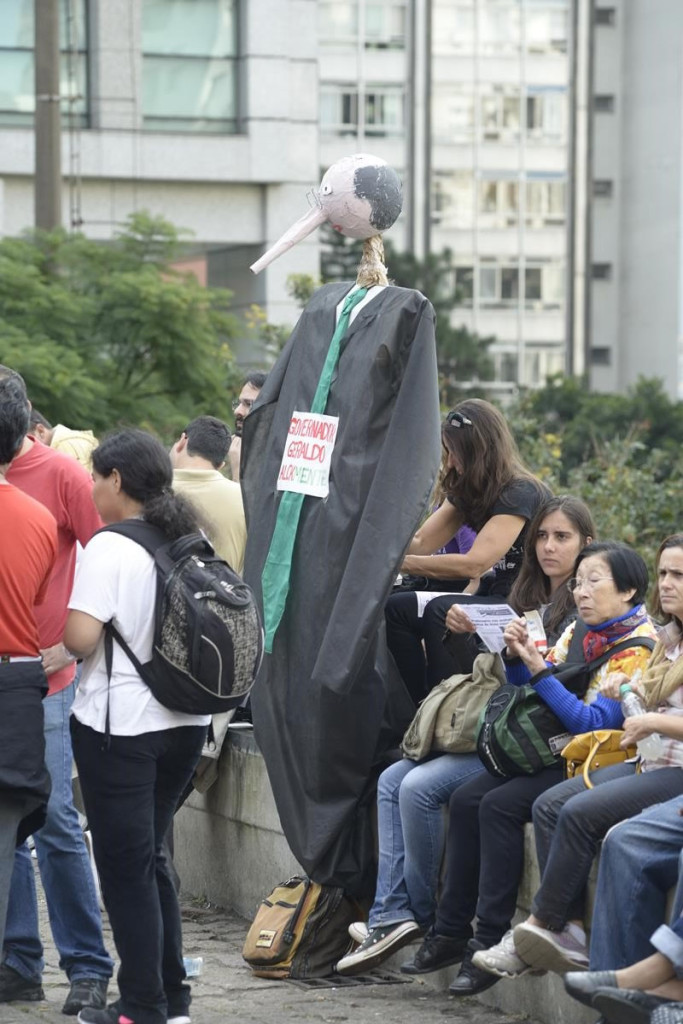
(625, 688)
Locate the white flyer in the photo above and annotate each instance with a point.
(489, 620)
(307, 457)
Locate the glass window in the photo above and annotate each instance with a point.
(544, 286)
(545, 203)
(509, 283)
(339, 110)
(498, 203)
(508, 366)
(385, 25)
(17, 81)
(338, 22)
(603, 187)
(452, 115)
(189, 65)
(498, 286)
(464, 285)
(488, 285)
(453, 199)
(499, 28)
(532, 284)
(384, 112)
(604, 104)
(605, 16)
(452, 27)
(546, 115)
(499, 114)
(546, 30)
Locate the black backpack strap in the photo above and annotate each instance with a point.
(151, 538)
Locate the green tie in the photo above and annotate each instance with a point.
(278, 565)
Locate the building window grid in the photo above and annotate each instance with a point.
(501, 28)
(385, 24)
(73, 55)
(499, 113)
(535, 285)
(383, 108)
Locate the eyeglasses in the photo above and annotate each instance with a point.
(246, 402)
(456, 419)
(577, 582)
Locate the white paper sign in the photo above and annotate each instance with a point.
(490, 620)
(306, 460)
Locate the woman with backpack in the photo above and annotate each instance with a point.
(487, 815)
(488, 487)
(134, 755)
(411, 794)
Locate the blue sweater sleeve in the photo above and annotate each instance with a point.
(578, 717)
(517, 673)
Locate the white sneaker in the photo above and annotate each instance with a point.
(551, 951)
(358, 931)
(503, 959)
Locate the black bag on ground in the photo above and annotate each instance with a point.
(520, 734)
(208, 639)
(300, 930)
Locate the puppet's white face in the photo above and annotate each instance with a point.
(360, 195)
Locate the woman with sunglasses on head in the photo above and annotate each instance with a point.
(487, 815)
(488, 487)
(571, 821)
(411, 795)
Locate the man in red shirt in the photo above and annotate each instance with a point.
(61, 485)
(28, 546)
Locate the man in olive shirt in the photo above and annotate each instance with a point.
(197, 457)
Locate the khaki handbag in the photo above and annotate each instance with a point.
(592, 750)
(447, 720)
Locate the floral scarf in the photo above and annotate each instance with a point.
(599, 638)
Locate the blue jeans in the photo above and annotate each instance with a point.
(411, 824)
(641, 860)
(72, 901)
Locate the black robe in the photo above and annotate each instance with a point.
(329, 701)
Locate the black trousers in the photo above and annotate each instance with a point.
(417, 643)
(485, 852)
(130, 791)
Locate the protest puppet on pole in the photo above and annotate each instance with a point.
(339, 457)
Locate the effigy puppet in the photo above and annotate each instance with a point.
(339, 457)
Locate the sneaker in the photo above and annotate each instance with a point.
(471, 979)
(378, 946)
(85, 992)
(15, 988)
(436, 951)
(108, 1015)
(551, 951)
(358, 931)
(183, 1019)
(503, 959)
(667, 1013)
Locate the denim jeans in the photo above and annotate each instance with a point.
(411, 824)
(641, 860)
(65, 872)
(130, 789)
(570, 821)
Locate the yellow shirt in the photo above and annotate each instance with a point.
(220, 503)
(79, 444)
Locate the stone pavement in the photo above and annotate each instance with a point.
(226, 990)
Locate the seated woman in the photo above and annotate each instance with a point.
(489, 487)
(411, 795)
(487, 815)
(134, 756)
(570, 821)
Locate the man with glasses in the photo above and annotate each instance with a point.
(242, 407)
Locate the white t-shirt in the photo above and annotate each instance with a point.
(116, 579)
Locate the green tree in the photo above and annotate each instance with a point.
(112, 334)
(462, 356)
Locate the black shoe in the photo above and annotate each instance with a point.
(100, 1015)
(583, 985)
(84, 992)
(436, 951)
(626, 1005)
(471, 979)
(15, 988)
(669, 1013)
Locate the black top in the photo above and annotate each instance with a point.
(519, 498)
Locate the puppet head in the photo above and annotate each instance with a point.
(359, 195)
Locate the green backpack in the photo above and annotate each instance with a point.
(520, 734)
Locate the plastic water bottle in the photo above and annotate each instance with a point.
(650, 747)
(193, 965)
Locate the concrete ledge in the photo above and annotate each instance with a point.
(230, 848)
